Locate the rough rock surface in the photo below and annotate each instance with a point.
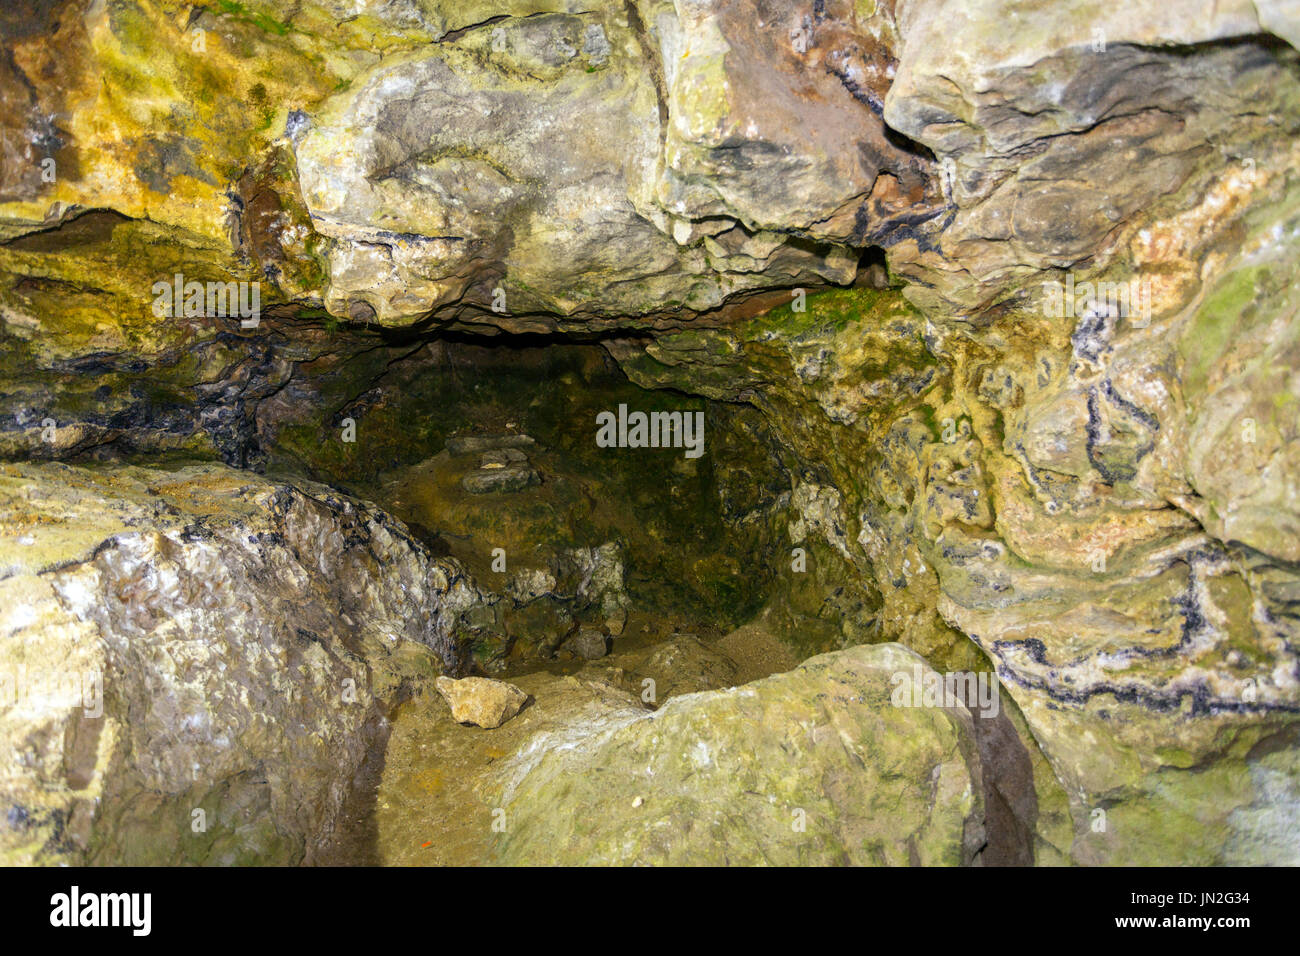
(1100, 502)
(487, 480)
(1149, 656)
(1058, 129)
(833, 744)
(509, 166)
(588, 643)
(810, 767)
(245, 638)
(1084, 498)
(633, 158)
(477, 700)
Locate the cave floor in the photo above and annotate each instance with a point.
(426, 801)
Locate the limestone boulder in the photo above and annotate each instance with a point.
(815, 766)
(197, 662)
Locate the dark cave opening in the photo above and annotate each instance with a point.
(487, 448)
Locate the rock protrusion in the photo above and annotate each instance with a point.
(815, 766)
(589, 644)
(503, 466)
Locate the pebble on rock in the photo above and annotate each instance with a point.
(480, 700)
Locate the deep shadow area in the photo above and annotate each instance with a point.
(487, 449)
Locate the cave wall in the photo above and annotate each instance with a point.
(1101, 500)
(198, 661)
